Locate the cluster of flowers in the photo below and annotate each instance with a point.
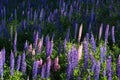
(38, 66)
(73, 56)
(96, 64)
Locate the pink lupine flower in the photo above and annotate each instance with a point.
(80, 32)
(100, 31)
(80, 52)
(56, 64)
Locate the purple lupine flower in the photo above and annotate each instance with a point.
(1, 66)
(106, 33)
(23, 66)
(85, 46)
(87, 37)
(100, 31)
(68, 71)
(35, 70)
(23, 57)
(118, 67)
(3, 52)
(47, 46)
(72, 62)
(76, 29)
(113, 36)
(93, 62)
(43, 70)
(12, 63)
(36, 40)
(102, 53)
(108, 68)
(74, 57)
(18, 63)
(69, 57)
(97, 71)
(93, 43)
(48, 66)
(15, 42)
(69, 67)
(68, 34)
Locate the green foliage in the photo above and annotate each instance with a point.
(17, 75)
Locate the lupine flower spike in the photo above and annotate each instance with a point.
(18, 62)
(109, 69)
(93, 43)
(56, 64)
(80, 52)
(100, 31)
(1, 66)
(106, 33)
(85, 47)
(15, 42)
(12, 61)
(35, 70)
(113, 34)
(80, 33)
(48, 67)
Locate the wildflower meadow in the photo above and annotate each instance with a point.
(59, 39)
